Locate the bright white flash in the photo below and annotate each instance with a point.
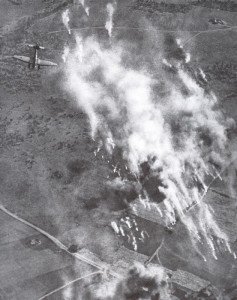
(187, 58)
(65, 53)
(115, 227)
(66, 20)
(109, 22)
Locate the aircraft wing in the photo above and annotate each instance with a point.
(42, 62)
(22, 58)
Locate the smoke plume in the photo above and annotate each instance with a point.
(66, 52)
(169, 121)
(66, 19)
(110, 8)
(139, 283)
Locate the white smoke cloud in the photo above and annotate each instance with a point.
(147, 282)
(121, 104)
(110, 8)
(86, 8)
(66, 20)
(67, 291)
(66, 52)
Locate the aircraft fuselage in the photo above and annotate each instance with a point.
(33, 60)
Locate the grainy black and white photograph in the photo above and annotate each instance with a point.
(118, 149)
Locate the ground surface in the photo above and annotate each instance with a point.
(49, 174)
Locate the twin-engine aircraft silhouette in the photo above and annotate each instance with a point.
(33, 61)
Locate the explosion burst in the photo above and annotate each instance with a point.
(110, 12)
(66, 20)
(170, 123)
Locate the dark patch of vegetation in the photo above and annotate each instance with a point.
(115, 199)
(13, 139)
(205, 137)
(57, 175)
(172, 49)
(222, 71)
(91, 203)
(73, 248)
(77, 167)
